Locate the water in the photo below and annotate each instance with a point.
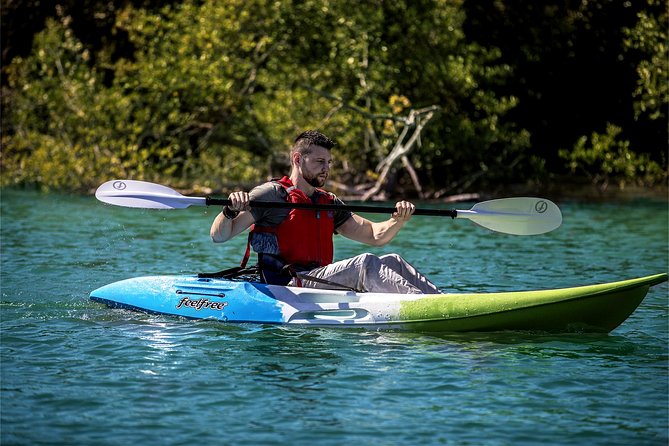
(75, 372)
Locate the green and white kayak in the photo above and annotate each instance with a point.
(592, 308)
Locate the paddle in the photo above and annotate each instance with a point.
(517, 216)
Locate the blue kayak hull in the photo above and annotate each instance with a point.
(596, 308)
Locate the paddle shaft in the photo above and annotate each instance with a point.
(333, 207)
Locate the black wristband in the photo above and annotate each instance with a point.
(229, 213)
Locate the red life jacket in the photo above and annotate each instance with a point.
(305, 236)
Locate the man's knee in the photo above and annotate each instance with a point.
(392, 256)
(368, 260)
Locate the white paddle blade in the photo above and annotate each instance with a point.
(141, 194)
(517, 216)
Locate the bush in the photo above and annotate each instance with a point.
(604, 158)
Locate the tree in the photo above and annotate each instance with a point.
(211, 93)
(576, 64)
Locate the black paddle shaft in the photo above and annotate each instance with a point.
(333, 207)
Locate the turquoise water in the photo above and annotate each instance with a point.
(75, 372)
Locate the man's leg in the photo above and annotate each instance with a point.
(408, 272)
(368, 272)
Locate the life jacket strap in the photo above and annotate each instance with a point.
(247, 254)
(290, 270)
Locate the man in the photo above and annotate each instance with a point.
(299, 242)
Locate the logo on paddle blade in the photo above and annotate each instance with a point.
(119, 185)
(541, 206)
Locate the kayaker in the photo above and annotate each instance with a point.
(291, 241)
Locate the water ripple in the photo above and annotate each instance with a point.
(75, 372)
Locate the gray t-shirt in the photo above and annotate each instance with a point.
(271, 191)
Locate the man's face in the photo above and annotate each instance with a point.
(315, 166)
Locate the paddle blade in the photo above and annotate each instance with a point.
(517, 216)
(141, 194)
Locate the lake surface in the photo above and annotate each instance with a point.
(75, 372)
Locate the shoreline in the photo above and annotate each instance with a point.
(569, 192)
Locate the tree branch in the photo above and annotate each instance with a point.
(416, 120)
(402, 149)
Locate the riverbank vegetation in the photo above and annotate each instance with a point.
(426, 98)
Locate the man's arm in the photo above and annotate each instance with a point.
(377, 234)
(223, 228)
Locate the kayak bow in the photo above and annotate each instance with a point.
(593, 308)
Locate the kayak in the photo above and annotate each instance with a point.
(592, 308)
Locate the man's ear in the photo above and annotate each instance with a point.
(297, 158)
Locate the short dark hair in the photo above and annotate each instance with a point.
(311, 137)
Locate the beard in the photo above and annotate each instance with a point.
(316, 180)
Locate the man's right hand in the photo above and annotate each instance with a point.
(240, 201)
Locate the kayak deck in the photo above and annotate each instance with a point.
(592, 308)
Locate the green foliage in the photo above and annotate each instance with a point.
(649, 36)
(575, 68)
(181, 92)
(49, 111)
(607, 158)
(604, 158)
(211, 93)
